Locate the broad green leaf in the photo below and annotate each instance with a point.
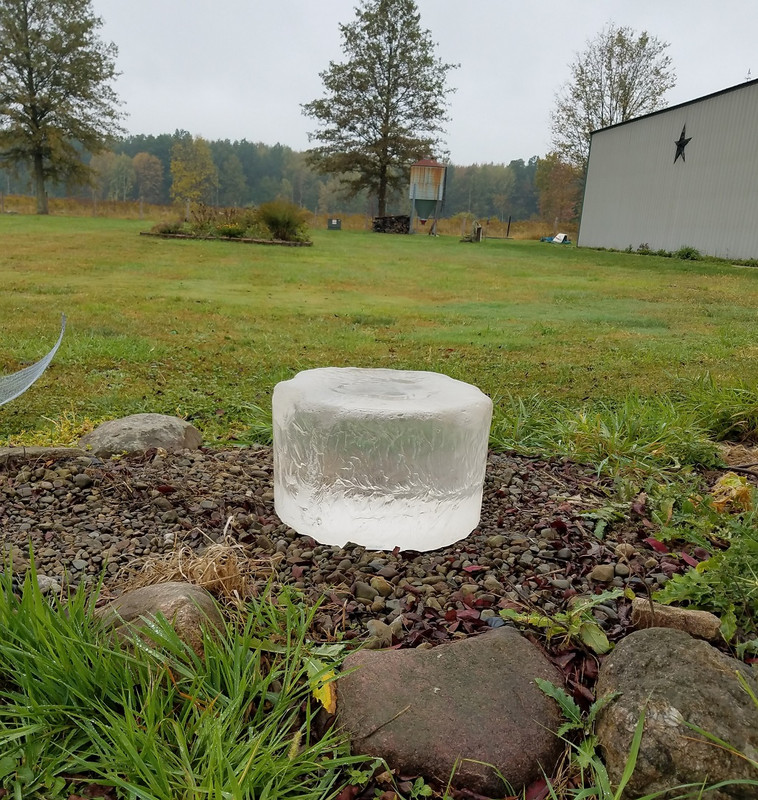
(593, 636)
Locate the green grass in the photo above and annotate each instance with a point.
(206, 329)
(156, 721)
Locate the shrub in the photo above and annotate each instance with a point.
(232, 230)
(688, 253)
(285, 220)
(169, 226)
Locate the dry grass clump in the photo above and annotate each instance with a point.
(223, 568)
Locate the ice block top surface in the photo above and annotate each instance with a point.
(388, 391)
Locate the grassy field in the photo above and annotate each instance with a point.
(206, 329)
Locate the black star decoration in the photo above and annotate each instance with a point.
(681, 144)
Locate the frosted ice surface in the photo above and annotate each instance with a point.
(380, 457)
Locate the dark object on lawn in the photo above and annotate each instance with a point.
(15, 384)
(400, 224)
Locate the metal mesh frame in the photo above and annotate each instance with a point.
(15, 384)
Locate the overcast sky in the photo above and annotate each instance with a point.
(239, 69)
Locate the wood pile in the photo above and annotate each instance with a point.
(401, 224)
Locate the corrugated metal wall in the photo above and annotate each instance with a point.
(636, 194)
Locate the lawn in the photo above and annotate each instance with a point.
(206, 329)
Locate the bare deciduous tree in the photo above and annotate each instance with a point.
(620, 75)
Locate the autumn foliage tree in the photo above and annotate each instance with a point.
(194, 177)
(56, 97)
(148, 177)
(620, 75)
(559, 184)
(385, 105)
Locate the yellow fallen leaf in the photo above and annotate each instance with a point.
(325, 692)
(732, 492)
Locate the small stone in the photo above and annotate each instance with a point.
(622, 570)
(382, 586)
(363, 591)
(264, 543)
(469, 588)
(603, 573)
(380, 635)
(701, 624)
(495, 541)
(387, 572)
(492, 584)
(82, 480)
(625, 550)
(48, 585)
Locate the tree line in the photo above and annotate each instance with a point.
(175, 167)
(383, 107)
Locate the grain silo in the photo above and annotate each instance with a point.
(427, 193)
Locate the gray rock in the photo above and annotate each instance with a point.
(380, 635)
(423, 710)
(82, 480)
(363, 591)
(189, 608)
(48, 585)
(677, 679)
(141, 432)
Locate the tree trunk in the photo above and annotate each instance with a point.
(381, 195)
(39, 183)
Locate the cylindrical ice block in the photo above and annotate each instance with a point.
(380, 457)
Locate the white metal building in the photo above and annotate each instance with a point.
(685, 175)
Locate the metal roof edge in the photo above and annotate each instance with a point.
(734, 88)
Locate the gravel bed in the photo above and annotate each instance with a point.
(534, 548)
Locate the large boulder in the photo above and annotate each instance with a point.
(427, 711)
(141, 432)
(677, 679)
(187, 607)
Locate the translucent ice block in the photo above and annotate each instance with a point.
(380, 457)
